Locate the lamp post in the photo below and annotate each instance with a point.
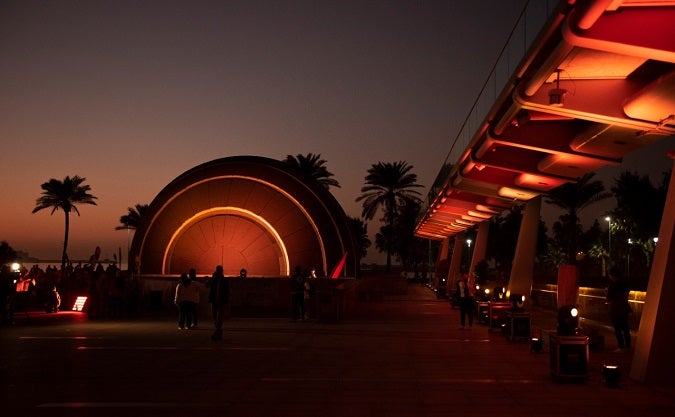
(609, 236)
(630, 246)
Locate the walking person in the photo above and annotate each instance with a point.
(308, 296)
(464, 297)
(219, 294)
(194, 283)
(298, 294)
(619, 309)
(182, 300)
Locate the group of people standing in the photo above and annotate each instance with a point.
(616, 299)
(187, 299)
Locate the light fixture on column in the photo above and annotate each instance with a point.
(556, 95)
(517, 302)
(568, 321)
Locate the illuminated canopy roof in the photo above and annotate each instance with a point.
(597, 84)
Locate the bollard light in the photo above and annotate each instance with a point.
(568, 321)
(611, 375)
(517, 302)
(536, 345)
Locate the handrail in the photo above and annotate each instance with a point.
(524, 32)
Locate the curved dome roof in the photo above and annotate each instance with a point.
(244, 212)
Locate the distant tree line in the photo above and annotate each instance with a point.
(390, 195)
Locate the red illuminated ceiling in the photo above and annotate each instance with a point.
(611, 64)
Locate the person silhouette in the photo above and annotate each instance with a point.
(298, 294)
(464, 297)
(192, 274)
(219, 294)
(619, 309)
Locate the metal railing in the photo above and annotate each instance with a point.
(534, 15)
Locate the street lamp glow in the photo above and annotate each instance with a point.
(656, 240)
(16, 266)
(468, 242)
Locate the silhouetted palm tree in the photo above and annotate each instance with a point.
(389, 186)
(64, 195)
(132, 219)
(360, 231)
(637, 215)
(7, 254)
(574, 197)
(313, 166)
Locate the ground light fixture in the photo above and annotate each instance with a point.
(517, 302)
(536, 345)
(568, 321)
(611, 375)
(79, 303)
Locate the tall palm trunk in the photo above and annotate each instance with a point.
(390, 232)
(64, 255)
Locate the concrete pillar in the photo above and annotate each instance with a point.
(481, 245)
(653, 359)
(440, 260)
(455, 263)
(522, 269)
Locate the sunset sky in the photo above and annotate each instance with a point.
(130, 94)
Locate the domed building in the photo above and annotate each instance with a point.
(244, 212)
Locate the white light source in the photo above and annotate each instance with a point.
(16, 267)
(537, 345)
(611, 375)
(568, 320)
(79, 303)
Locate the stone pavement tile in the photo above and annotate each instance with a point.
(405, 357)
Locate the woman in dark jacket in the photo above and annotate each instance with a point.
(617, 299)
(464, 297)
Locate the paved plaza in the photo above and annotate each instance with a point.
(402, 356)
